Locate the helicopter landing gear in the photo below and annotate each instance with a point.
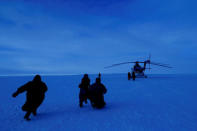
(133, 75)
(129, 75)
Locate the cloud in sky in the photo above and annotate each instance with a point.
(73, 36)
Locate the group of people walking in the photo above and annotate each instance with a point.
(35, 94)
(95, 92)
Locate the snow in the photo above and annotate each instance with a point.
(158, 103)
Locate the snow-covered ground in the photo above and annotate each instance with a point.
(158, 103)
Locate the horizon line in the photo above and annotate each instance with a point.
(11, 75)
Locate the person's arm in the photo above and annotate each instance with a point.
(21, 89)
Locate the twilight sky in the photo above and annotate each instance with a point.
(83, 36)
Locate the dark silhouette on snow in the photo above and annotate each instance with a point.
(133, 75)
(35, 93)
(96, 94)
(129, 75)
(83, 94)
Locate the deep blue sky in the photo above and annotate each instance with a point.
(83, 36)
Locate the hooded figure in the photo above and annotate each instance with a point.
(35, 93)
(96, 94)
(84, 85)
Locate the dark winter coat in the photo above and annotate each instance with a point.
(34, 96)
(96, 94)
(85, 83)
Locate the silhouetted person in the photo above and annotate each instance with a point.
(83, 94)
(35, 93)
(96, 94)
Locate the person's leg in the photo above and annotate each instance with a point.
(81, 97)
(91, 98)
(80, 100)
(27, 115)
(86, 98)
(36, 105)
(81, 103)
(34, 112)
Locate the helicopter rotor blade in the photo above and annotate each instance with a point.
(124, 63)
(118, 64)
(161, 65)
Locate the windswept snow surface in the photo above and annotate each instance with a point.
(158, 103)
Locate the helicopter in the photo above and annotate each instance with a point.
(138, 71)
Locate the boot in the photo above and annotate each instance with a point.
(81, 104)
(27, 116)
